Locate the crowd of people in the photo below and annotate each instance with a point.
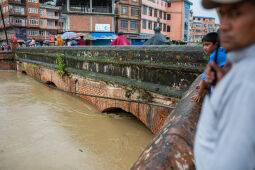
(157, 39)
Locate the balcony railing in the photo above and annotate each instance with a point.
(95, 9)
(17, 13)
(52, 17)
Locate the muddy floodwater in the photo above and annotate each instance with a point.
(44, 128)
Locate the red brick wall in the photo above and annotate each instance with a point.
(83, 22)
(80, 22)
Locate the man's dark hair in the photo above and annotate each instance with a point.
(81, 37)
(211, 37)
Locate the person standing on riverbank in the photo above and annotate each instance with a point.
(225, 134)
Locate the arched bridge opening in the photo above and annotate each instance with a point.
(51, 84)
(120, 113)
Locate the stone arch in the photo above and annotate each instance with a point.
(114, 110)
(50, 83)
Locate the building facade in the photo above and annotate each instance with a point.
(129, 17)
(171, 15)
(28, 19)
(201, 26)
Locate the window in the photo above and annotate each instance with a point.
(150, 11)
(168, 28)
(18, 21)
(169, 4)
(135, 0)
(144, 10)
(49, 14)
(164, 28)
(155, 13)
(124, 10)
(33, 10)
(164, 15)
(41, 33)
(160, 14)
(168, 16)
(33, 21)
(11, 20)
(134, 11)
(10, 8)
(32, 33)
(42, 12)
(155, 25)
(133, 25)
(150, 25)
(17, 9)
(42, 22)
(144, 24)
(6, 21)
(198, 25)
(51, 24)
(123, 24)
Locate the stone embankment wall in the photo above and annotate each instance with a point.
(150, 74)
(7, 61)
(172, 146)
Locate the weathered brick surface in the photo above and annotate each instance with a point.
(172, 146)
(152, 116)
(7, 61)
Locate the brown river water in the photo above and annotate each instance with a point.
(44, 128)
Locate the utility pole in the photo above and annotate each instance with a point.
(4, 25)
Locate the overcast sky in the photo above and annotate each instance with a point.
(200, 11)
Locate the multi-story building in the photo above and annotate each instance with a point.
(15, 18)
(49, 21)
(201, 26)
(129, 17)
(171, 15)
(140, 17)
(28, 19)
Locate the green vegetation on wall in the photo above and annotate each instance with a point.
(61, 65)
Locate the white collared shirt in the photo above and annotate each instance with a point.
(225, 137)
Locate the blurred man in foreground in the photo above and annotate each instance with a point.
(225, 134)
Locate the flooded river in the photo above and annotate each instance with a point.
(44, 128)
